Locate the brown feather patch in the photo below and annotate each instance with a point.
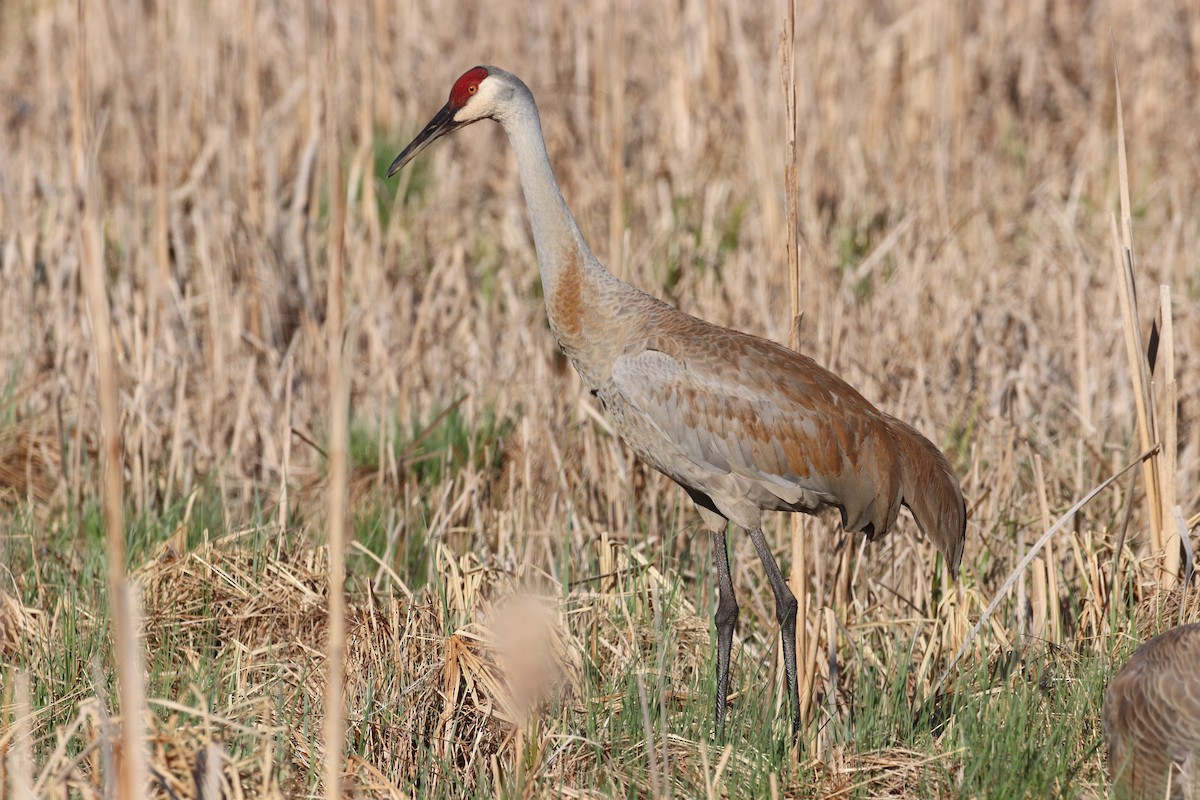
(566, 302)
(1152, 718)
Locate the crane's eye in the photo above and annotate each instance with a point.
(472, 88)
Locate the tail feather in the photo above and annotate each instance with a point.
(931, 492)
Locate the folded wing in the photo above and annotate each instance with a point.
(749, 421)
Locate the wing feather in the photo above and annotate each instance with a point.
(750, 422)
(794, 446)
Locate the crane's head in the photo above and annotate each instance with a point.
(480, 93)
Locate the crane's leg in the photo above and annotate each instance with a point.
(726, 619)
(785, 612)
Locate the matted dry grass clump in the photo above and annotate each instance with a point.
(894, 773)
(18, 626)
(1165, 609)
(30, 463)
(467, 668)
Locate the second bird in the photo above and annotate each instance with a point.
(744, 425)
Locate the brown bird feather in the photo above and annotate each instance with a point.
(1152, 719)
(757, 427)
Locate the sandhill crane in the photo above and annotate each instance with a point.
(1152, 719)
(744, 425)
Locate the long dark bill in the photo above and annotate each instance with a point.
(442, 123)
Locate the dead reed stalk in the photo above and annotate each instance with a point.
(1167, 394)
(339, 414)
(1134, 345)
(1156, 400)
(19, 755)
(791, 183)
(132, 767)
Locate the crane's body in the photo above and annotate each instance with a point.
(1152, 719)
(743, 424)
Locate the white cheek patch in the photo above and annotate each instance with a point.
(479, 104)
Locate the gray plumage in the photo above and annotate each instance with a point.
(741, 423)
(1152, 719)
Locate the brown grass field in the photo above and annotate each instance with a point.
(528, 609)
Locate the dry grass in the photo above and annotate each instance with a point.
(958, 176)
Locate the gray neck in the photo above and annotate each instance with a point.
(555, 232)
